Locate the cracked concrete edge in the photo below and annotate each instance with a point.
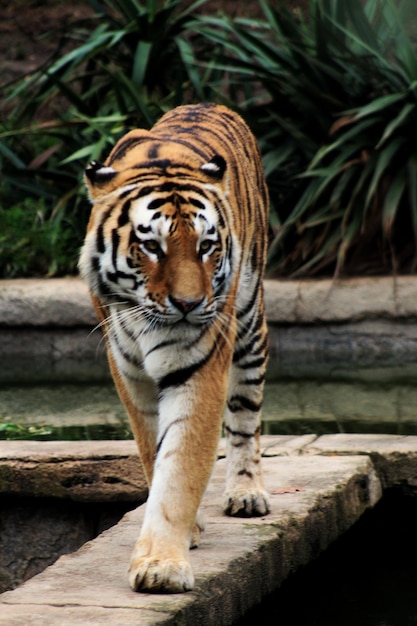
(89, 471)
(238, 562)
(393, 456)
(94, 471)
(241, 560)
(110, 471)
(65, 301)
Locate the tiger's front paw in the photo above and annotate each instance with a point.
(246, 503)
(160, 575)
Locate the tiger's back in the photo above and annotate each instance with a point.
(174, 257)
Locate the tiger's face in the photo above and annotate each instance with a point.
(161, 245)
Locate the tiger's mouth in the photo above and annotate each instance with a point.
(185, 319)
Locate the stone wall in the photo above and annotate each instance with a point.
(317, 328)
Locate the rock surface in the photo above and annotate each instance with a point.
(319, 488)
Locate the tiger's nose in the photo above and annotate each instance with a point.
(185, 305)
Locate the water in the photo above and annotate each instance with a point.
(368, 577)
(62, 412)
(291, 407)
(297, 407)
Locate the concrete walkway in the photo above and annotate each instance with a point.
(319, 487)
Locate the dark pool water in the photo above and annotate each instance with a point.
(368, 577)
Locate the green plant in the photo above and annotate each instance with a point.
(11, 431)
(333, 103)
(35, 240)
(136, 64)
(331, 95)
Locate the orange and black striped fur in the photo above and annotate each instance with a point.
(174, 257)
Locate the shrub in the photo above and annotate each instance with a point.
(135, 65)
(32, 243)
(333, 102)
(329, 92)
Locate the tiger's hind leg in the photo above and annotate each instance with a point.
(245, 494)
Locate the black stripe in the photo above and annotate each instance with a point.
(249, 347)
(189, 144)
(126, 355)
(262, 347)
(160, 442)
(196, 203)
(252, 364)
(245, 472)
(238, 433)
(124, 146)
(252, 300)
(241, 403)
(124, 214)
(154, 163)
(256, 324)
(163, 344)
(100, 239)
(158, 202)
(144, 229)
(153, 151)
(103, 288)
(180, 376)
(115, 240)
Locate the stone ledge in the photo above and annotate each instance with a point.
(94, 471)
(321, 328)
(394, 456)
(65, 301)
(45, 302)
(82, 471)
(336, 301)
(238, 562)
(319, 486)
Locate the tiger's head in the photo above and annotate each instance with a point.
(158, 236)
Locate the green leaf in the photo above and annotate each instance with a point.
(141, 60)
(376, 105)
(396, 123)
(350, 233)
(392, 200)
(412, 192)
(9, 154)
(361, 24)
(355, 131)
(383, 161)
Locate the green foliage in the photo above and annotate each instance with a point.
(135, 65)
(34, 241)
(10, 431)
(334, 108)
(331, 95)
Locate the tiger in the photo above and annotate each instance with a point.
(174, 258)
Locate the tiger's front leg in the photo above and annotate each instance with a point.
(189, 428)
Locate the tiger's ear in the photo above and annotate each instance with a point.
(215, 168)
(96, 176)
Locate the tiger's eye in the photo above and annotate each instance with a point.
(151, 245)
(206, 245)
